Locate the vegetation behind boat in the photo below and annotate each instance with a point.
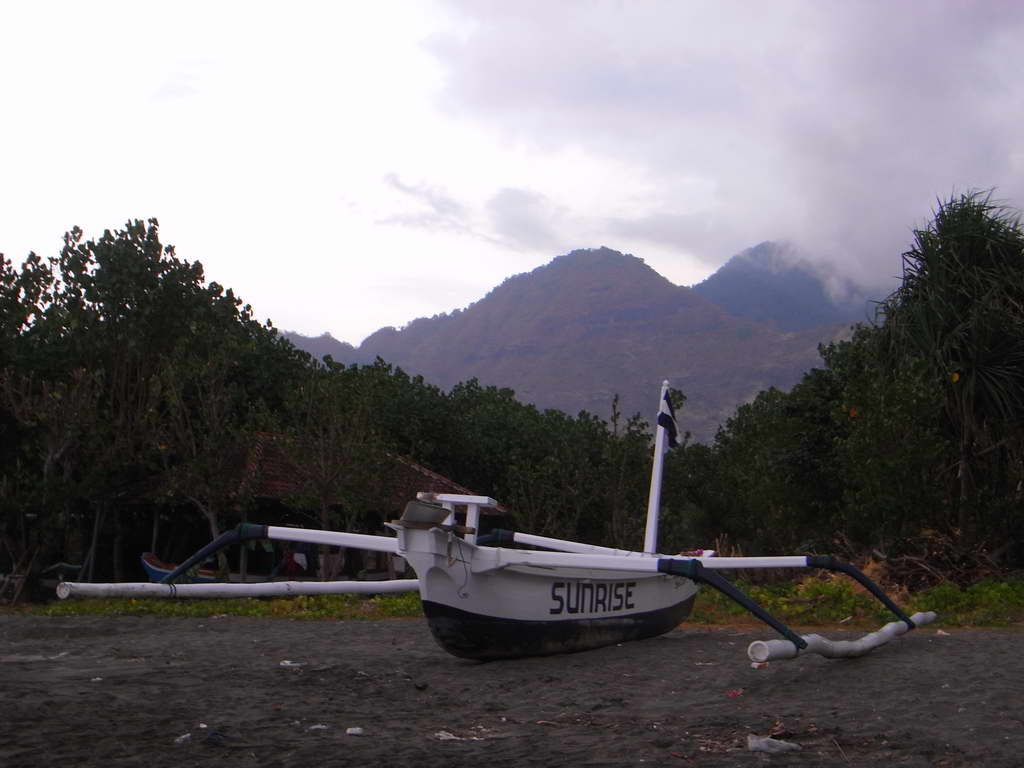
(116, 356)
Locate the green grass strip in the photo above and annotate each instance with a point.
(812, 602)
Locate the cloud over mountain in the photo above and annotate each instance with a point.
(834, 125)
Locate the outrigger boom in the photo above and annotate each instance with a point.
(486, 600)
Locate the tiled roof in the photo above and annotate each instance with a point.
(271, 474)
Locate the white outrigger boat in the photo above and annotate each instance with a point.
(486, 599)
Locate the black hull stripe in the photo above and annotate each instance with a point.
(474, 636)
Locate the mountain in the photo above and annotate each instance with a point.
(769, 283)
(323, 345)
(593, 323)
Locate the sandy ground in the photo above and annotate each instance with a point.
(232, 691)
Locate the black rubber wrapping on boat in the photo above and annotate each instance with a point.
(695, 570)
(248, 531)
(829, 563)
(496, 538)
(242, 532)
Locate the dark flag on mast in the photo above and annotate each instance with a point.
(667, 420)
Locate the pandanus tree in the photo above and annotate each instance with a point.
(958, 320)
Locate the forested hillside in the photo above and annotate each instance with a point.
(596, 323)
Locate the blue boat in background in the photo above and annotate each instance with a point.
(156, 569)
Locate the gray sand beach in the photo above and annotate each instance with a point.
(89, 691)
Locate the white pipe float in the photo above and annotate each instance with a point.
(761, 651)
(68, 589)
(563, 545)
(332, 538)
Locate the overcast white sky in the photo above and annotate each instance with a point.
(351, 165)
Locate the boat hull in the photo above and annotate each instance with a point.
(487, 638)
(488, 603)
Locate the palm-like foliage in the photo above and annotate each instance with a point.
(958, 319)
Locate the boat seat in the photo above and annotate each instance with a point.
(426, 526)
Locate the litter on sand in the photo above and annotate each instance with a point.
(770, 745)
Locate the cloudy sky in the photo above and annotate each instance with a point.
(351, 165)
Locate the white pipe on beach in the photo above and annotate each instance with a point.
(68, 589)
(772, 650)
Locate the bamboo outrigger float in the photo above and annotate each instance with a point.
(484, 599)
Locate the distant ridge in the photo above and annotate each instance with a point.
(594, 323)
(324, 345)
(769, 283)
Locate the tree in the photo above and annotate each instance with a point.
(205, 437)
(552, 473)
(106, 318)
(957, 320)
(51, 470)
(412, 418)
(625, 470)
(890, 445)
(333, 445)
(24, 294)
